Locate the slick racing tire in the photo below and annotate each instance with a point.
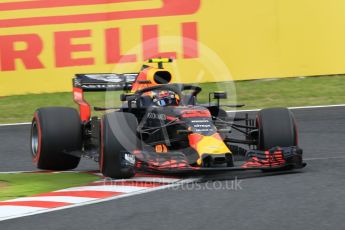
(276, 127)
(118, 141)
(55, 132)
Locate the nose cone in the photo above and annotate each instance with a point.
(210, 145)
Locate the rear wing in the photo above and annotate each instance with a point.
(98, 82)
(104, 81)
(148, 76)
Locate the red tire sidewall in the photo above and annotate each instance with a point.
(36, 158)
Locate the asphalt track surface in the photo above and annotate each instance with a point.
(312, 198)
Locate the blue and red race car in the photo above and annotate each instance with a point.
(160, 127)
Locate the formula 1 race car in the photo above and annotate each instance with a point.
(160, 127)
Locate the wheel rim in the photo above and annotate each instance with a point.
(34, 138)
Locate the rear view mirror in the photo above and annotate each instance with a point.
(220, 95)
(217, 95)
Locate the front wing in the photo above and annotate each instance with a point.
(275, 159)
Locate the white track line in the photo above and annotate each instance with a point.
(231, 111)
(14, 172)
(317, 106)
(322, 158)
(292, 108)
(38, 171)
(13, 124)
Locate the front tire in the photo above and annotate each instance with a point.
(276, 127)
(118, 141)
(55, 131)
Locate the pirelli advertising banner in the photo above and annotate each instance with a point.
(43, 43)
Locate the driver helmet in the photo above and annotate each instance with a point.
(165, 98)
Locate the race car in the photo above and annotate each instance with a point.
(160, 127)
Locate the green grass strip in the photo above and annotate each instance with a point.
(256, 94)
(27, 184)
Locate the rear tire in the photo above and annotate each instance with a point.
(276, 127)
(55, 131)
(118, 141)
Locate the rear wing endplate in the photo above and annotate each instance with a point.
(104, 81)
